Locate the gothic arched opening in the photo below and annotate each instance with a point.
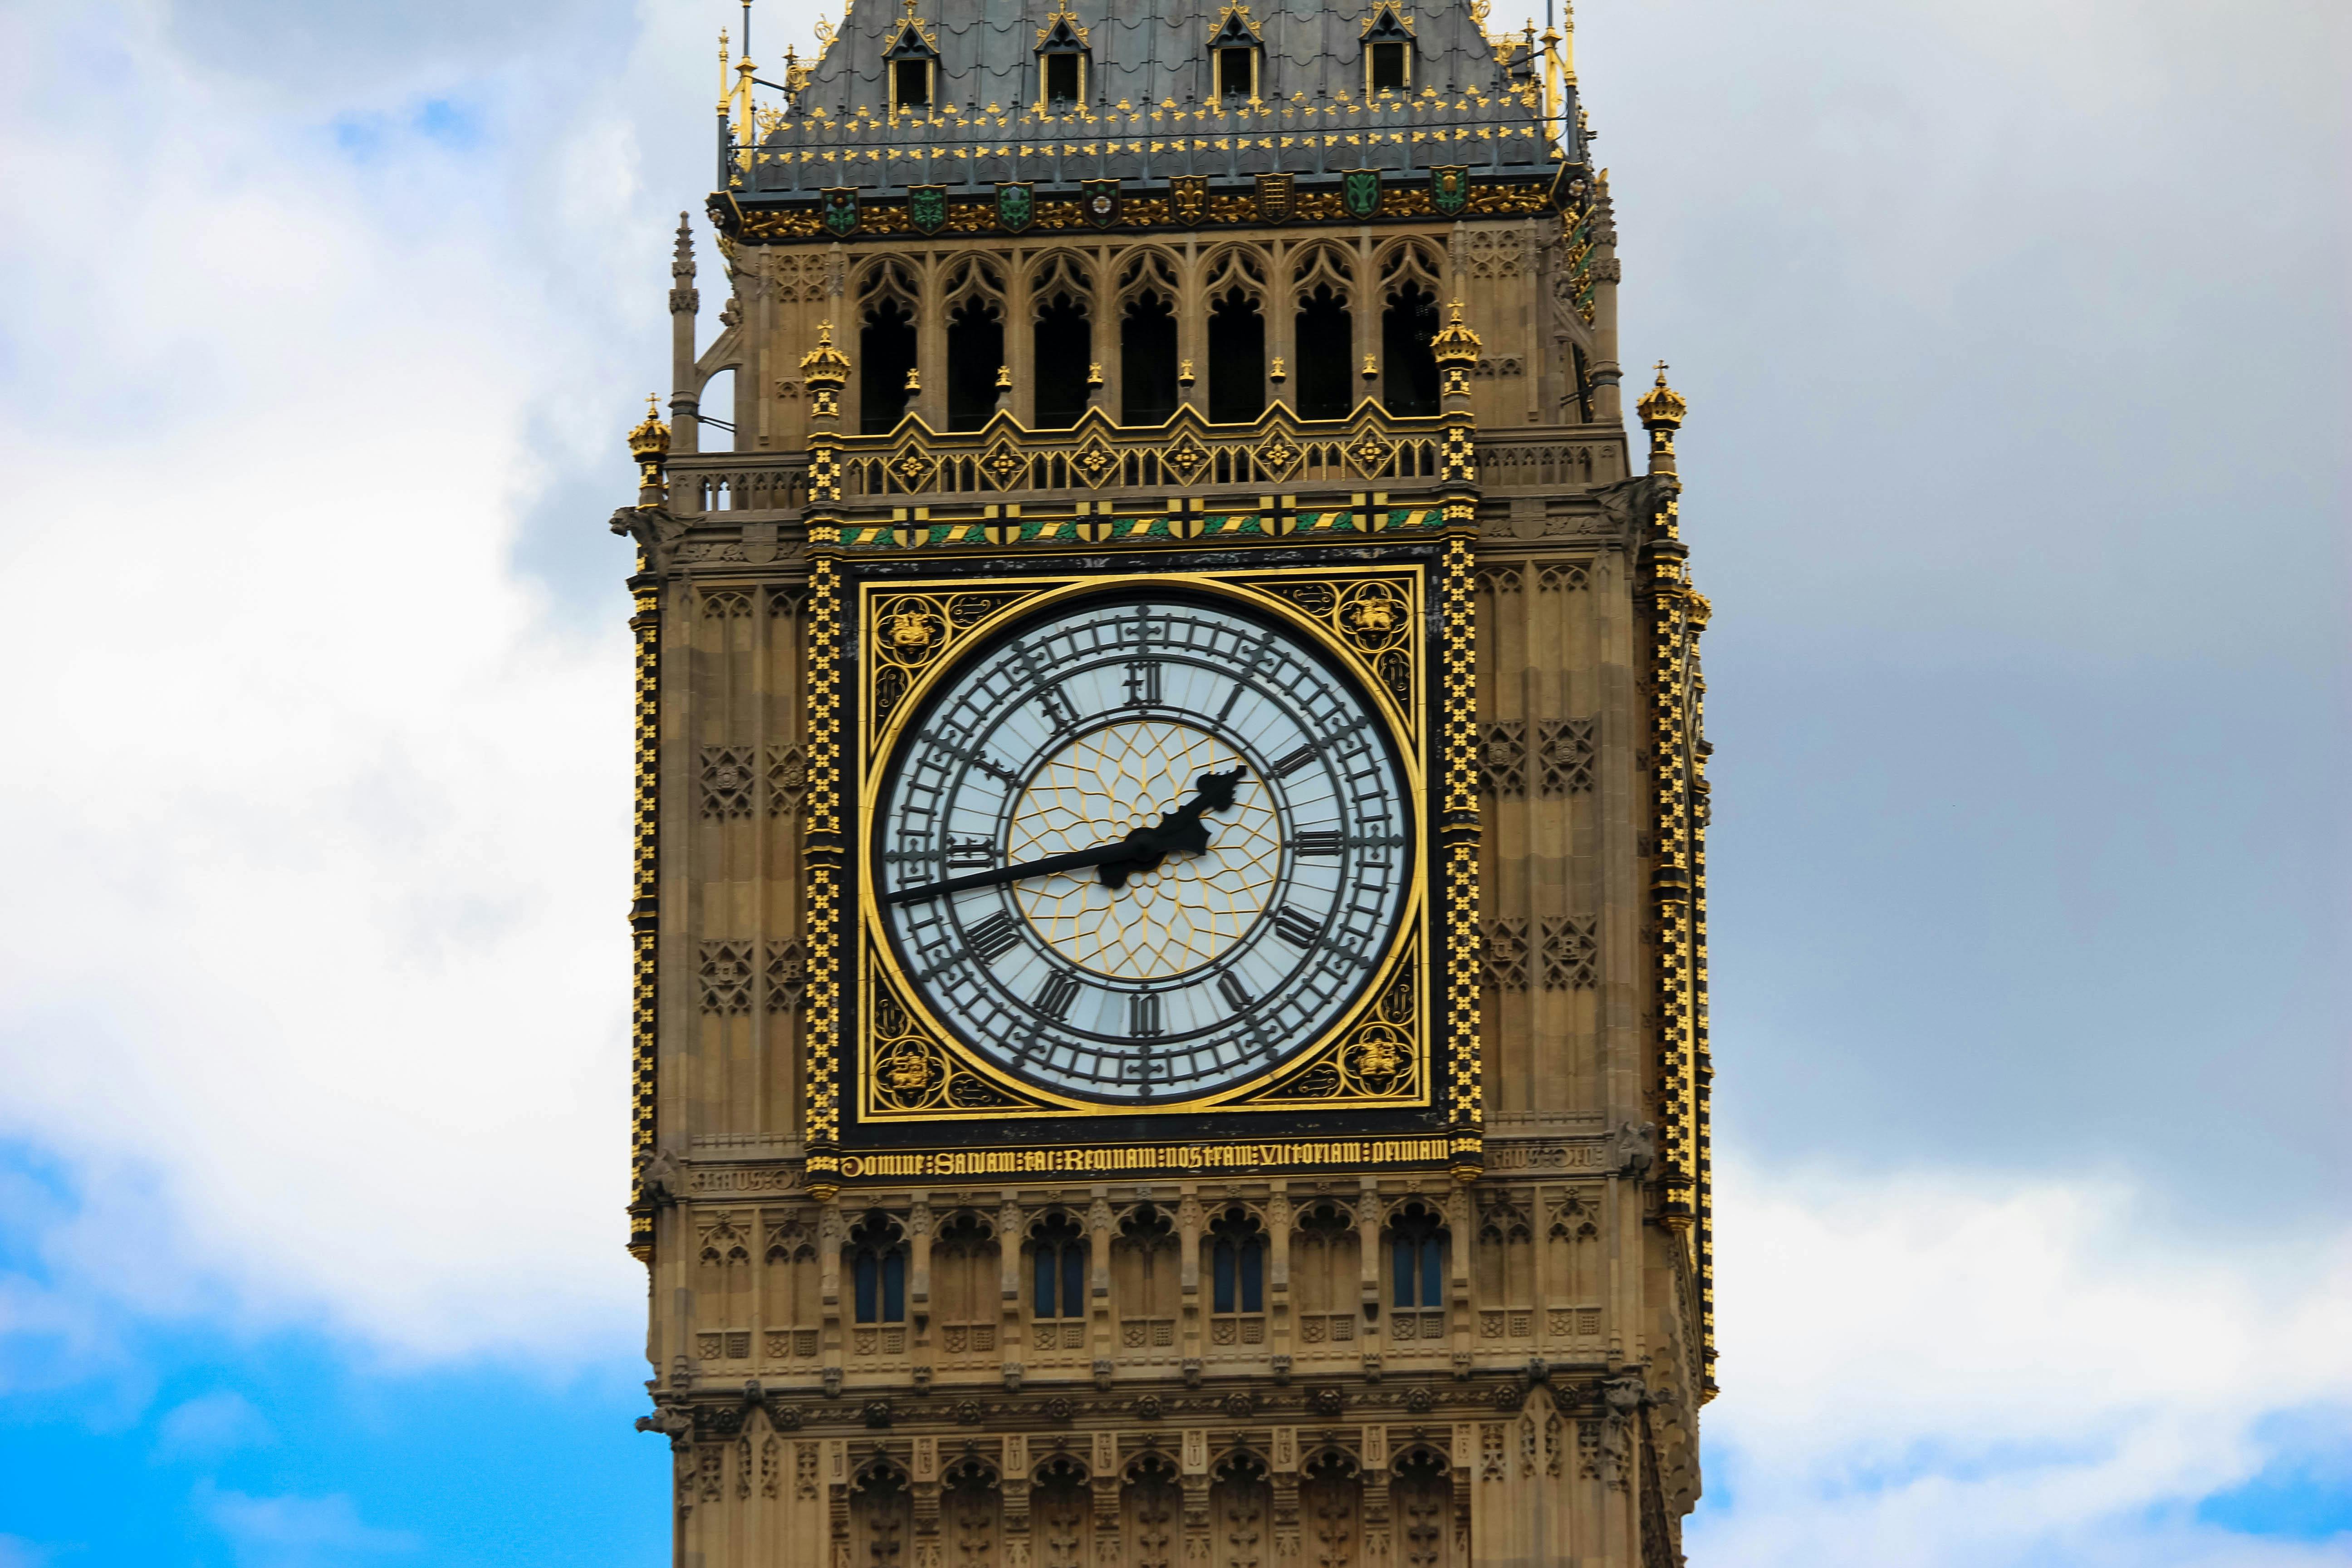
(975, 354)
(1326, 338)
(886, 357)
(1240, 1504)
(1422, 1501)
(1147, 352)
(1236, 360)
(1409, 370)
(1064, 339)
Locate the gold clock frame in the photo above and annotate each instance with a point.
(1381, 1054)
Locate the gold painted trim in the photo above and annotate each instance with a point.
(644, 921)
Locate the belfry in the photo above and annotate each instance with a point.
(1169, 992)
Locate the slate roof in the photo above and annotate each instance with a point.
(1471, 101)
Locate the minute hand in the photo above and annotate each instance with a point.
(1140, 850)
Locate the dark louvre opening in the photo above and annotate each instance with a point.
(1065, 346)
(1236, 361)
(910, 82)
(1147, 348)
(1061, 78)
(1325, 340)
(1388, 67)
(886, 349)
(975, 350)
(1408, 371)
(1233, 72)
(1583, 387)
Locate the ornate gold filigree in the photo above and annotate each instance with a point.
(1277, 455)
(913, 1072)
(1378, 1059)
(1373, 616)
(910, 631)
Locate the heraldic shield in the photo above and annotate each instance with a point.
(1188, 194)
(1449, 190)
(1359, 193)
(1274, 198)
(840, 208)
(926, 208)
(1099, 199)
(1015, 205)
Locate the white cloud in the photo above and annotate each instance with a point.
(295, 1531)
(1931, 1369)
(315, 961)
(212, 1425)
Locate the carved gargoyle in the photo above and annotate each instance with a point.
(1635, 504)
(662, 1177)
(656, 531)
(671, 1422)
(1635, 1146)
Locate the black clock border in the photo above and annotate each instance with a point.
(1269, 1125)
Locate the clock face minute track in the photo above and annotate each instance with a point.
(1186, 857)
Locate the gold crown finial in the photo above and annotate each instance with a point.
(649, 440)
(1662, 406)
(1454, 342)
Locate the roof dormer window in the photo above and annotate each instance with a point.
(912, 62)
(1233, 60)
(910, 84)
(1388, 54)
(1061, 63)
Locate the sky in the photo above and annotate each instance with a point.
(2016, 343)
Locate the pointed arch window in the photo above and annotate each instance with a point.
(1388, 53)
(1233, 51)
(1062, 62)
(878, 1270)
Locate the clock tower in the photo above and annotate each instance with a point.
(1168, 1009)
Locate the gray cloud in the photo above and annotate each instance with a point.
(2016, 344)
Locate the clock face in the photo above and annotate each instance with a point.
(1241, 824)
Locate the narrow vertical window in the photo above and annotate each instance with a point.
(1062, 78)
(1388, 67)
(910, 84)
(1237, 73)
(1417, 1251)
(1237, 1259)
(1059, 1269)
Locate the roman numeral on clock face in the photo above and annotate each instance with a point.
(1059, 712)
(1318, 843)
(1143, 683)
(1284, 766)
(1143, 1015)
(1295, 928)
(992, 938)
(1053, 997)
(1236, 994)
(976, 852)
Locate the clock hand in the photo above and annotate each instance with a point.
(1076, 860)
(1140, 850)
